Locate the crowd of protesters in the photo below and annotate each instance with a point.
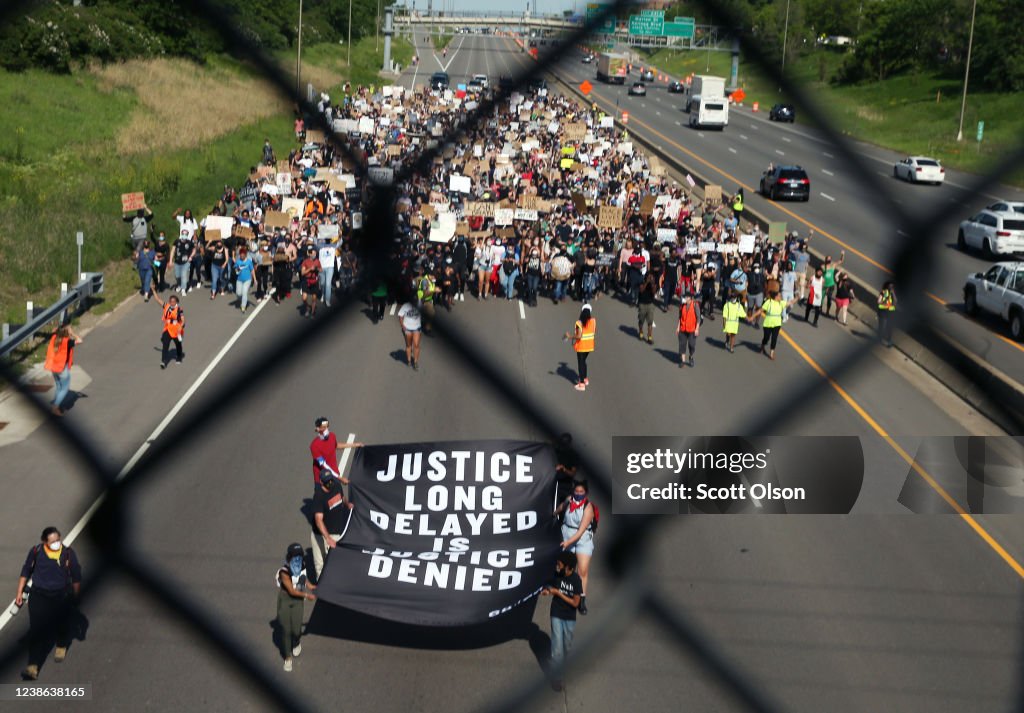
(539, 198)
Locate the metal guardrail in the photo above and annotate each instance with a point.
(91, 284)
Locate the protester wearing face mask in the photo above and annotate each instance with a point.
(56, 578)
(324, 449)
(293, 590)
(578, 523)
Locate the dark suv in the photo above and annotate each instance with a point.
(785, 182)
(439, 80)
(782, 112)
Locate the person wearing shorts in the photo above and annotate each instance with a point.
(578, 532)
(412, 325)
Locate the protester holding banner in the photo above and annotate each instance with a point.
(330, 516)
(294, 589)
(579, 518)
(565, 591)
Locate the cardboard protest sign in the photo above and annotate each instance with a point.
(647, 205)
(505, 233)
(276, 219)
(712, 194)
(776, 232)
(283, 181)
(609, 216)
(132, 202)
(244, 233)
(575, 131)
(295, 207)
(657, 167)
(212, 236)
(580, 203)
(524, 214)
(394, 150)
(428, 211)
(221, 224)
(479, 208)
(462, 228)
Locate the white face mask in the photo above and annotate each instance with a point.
(54, 545)
(324, 433)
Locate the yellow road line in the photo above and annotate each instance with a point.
(964, 515)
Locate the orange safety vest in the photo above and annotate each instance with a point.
(59, 357)
(688, 318)
(174, 322)
(586, 341)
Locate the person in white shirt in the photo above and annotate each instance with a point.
(410, 320)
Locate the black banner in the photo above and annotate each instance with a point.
(445, 534)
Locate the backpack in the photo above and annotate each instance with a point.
(597, 514)
(64, 555)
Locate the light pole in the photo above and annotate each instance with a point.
(298, 58)
(967, 71)
(785, 37)
(349, 60)
(376, 41)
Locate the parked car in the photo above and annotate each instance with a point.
(588, 58)
(647, 75)
(676, 88)
(994, 233)
(786, 182)
(1000, 291)
(919, 169)
(782, 112)
(638, 89)
(439, 80)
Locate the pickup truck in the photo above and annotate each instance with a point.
(1000, 290)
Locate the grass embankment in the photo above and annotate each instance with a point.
(71, 145)
(915, 114)
(442, 41)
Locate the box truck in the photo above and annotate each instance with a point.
(611, 68)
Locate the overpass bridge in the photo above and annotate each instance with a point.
(445, 23)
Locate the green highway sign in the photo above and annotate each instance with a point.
(652, 22)
(682, 27)
(607, 27)
(981, 130)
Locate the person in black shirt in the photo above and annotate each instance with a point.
(330, 515)
(56, 581)
(565, 591)
(671, 278)
(645, 307)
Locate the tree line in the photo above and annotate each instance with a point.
(57, 36)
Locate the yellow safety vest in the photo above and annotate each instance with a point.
(737, 205)
(425, 290)
(732, 313)
(886, 302)
(773, 310)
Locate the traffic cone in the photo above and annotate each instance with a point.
(756, 107)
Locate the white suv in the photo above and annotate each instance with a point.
(993, 232)
(481, 79)
(999, 291)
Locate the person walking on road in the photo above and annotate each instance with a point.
(330, 516)
(412, 329)
(294, 590)
(140, 227)
(688, 329)
(772, 310)
(145, 257)
(583, 334)
(886, 308)
(309, 277)
(244, 269)
(829, 277)
(844, 296)
(60, 356)
(564, 591)
(56, 577)
(645, 307)
(173, 317)
(732, 313)
(815, 294)
(324, 451)
(182, 254)
(579, 522)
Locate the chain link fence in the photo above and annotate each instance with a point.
(635, 594)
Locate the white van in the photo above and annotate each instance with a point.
(711, 112)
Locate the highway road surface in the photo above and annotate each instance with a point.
(878, 610)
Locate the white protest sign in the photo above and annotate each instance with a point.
(626, 147)
(607, 122)
(460, 184)
(746, 244)
(478, 151)
(523, 214)
(284, 184)
(706, 246)
(504, 216)
(345, 126)
(689, 179)
(381, 175)
(666, 235)
(365, 125)
(442, 228)
(221, 223)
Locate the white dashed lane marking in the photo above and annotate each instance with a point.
(827, 172)
(828, 197)
(732, 150)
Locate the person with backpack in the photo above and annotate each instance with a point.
(56, 578)
(294, 589)
(580, 519)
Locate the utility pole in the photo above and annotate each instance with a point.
(298, 58)
(785, 38)
(349, 61)
(967, 71)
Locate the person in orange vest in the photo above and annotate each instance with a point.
(60, 355)
(583, 342)
(174, 328)
(688, 328)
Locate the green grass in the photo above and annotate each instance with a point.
(442, 41)
(912, 114)
(367, 61)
